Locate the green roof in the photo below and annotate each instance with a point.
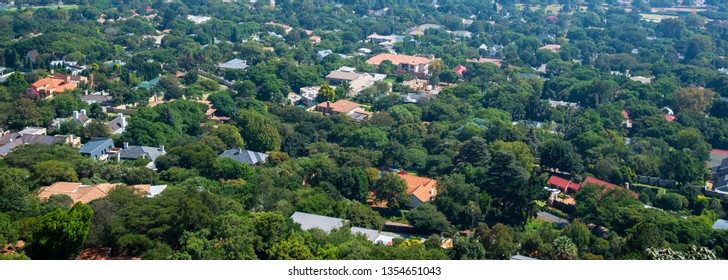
(149, 84)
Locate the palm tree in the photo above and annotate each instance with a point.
(565, 248)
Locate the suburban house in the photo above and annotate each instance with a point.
(323, 54)
(564, 185)
(557, 104)
(343, 106)
(145, 152)
(58, 83)
(720, 177)
(381, 40)
(198, 19)
(315, 39)
(235, 64)
(81, 117)
(607, 185)
(551, 47)
(495, 61)
(627, 120)
(404, 63)
(460, 70)
(358, 81)
(97, 148)
(419, 189)
(244, 156)
(79, 192)
(308, 95)
(118, 124)
(720, 224)
(34, 135)
(102, 98)
(327, 224)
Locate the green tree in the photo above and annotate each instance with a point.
(565, 249)
(227, 168)
(578, 233)
(392, 189)
(229, 135)
(51, 171)
(60, 234)
(326, 93)
(559, 154)
(426, 217)
(259, 132)
(95, 128)
(693, 98)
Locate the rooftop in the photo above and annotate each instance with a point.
(421, 187)
(398, 59)
(245, 156)
(309, 221)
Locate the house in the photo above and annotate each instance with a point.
(102, 98)
(558, 104)
(605, 184)
(521, 258)
(97, 148)
(308, 95)
(551, 47)
(641, 79)
(34, 135)
(198, 19)
(235, 64)
(490, 51)
(545, 36)
(32, 55)
(358, 81)
(286, 28)
(80, 193)
(328, 224)
(495, 61)
(315, 39)
(136, 152)
(404, 63)
(118, 124)
(420, 30)
(419, 189)
(310, 221)
(245, 156)
(720, 176)
(553, 219)
(627, 120)
(720, 224)
(342, 106)
(81, 117)
(462, 33)
(460, 70)
(467, 21)
(57, 83)
(322, 54)
(294, 98)
(148, 85)
(385, 41)
(564, 185)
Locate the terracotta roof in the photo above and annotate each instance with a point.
(486, 60)
(421, 187)
(625, 114)
(341, 106)
(460, 69)
(719, 152)
(670, 118)
(563, 184)
(79, 192)
(397, 59)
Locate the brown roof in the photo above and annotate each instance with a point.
(341, 106)
(397, 59)
(551, 47)
(421, 187)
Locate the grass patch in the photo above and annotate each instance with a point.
(52, 7)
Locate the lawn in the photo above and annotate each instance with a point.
(656, 16)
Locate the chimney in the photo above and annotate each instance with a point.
(52, 71)
(126, 145)
(328, 107)
(75, 115)
(162, 148)
(83, 111)
(118, 157)
(626, 185)
(123, 120)
(240, 150)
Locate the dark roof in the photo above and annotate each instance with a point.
(553, 218)
(103, 100)
(245, 156)
(96, 144)
(135, 152)
(723, 165)
(116, 124)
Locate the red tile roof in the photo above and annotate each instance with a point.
(460, 69)
(607, 185)
(562, 184)
(670, 118)
(421, 187)
(625, 114)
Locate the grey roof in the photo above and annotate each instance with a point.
(324, 53)
(6, 148)
(344, 75)
(371, 234)
(553, 218)
(116, 124)
(235, 64)
(309, 221)
(135, 152)
(245, 156)
(521, 258)
(96, 144)
(149, 84)
(721, 224)
(156, 190)
(100, 99)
